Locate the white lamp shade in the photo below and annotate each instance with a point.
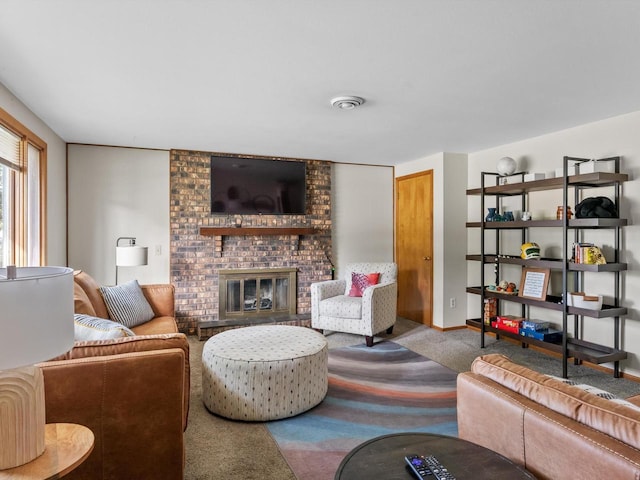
(36, 315)
(131, 256)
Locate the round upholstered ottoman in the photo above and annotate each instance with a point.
(264, 372)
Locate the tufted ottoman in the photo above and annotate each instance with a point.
(264, 372)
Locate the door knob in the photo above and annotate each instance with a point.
(426, 258)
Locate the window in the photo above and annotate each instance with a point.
(22, 174)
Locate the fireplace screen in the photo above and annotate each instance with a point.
(257, 292)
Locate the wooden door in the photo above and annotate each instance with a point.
(414, 246)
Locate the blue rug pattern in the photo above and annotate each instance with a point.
(373, 391)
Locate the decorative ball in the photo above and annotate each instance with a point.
(506, 166)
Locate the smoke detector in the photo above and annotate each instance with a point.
(347, 102)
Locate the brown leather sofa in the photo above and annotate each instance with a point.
(132, 392)
(88, 300)
(554, 430)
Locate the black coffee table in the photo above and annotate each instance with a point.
(383, 458)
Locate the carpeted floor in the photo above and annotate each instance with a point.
(222, 449)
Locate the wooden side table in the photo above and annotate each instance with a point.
(67, 445)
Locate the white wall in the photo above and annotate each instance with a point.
(362, 214)
(118, 192)
(56, 176)
(449, 236)
(612, 137)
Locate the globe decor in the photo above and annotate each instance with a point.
(506, 166)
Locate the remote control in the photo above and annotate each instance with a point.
(425, 467)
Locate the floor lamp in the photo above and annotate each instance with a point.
(36, 324)
(130, 255)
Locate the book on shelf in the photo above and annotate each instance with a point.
(588, 254)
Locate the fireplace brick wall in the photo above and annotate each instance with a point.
(196, 259)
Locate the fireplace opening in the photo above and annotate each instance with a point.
(256, 292)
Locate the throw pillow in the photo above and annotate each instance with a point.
(596, 391)
(127, 304)
(361, 281)
(87, 327)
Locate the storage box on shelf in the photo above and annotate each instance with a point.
(604, 176)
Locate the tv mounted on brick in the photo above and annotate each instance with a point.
(255, 186)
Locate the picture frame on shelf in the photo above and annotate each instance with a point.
(534, 283)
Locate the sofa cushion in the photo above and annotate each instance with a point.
(92, 289)
(127, 304)
(81, 302)
(388, 272)
(361, 281)
(618, 421)
(87, 327)
(342, 306)
(155, 326)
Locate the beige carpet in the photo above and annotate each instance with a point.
(222, 449)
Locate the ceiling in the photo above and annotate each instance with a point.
(257, 77)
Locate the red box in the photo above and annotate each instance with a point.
(508, 329)
(500, 326)
(510, 321)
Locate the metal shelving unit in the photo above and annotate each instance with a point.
(570, 347)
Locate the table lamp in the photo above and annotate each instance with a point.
(130, 255)
(36, 324)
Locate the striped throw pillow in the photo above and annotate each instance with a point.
(127, 304)
(87, 327)
(597, 391)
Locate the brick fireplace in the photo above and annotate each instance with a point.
(203, 244)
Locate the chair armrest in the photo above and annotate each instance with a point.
(379, 305)
(161, 298)
(328, 289)
(133, 403)
(138, 343)
(321, 291)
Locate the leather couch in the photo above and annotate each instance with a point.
(553, 429)
(88, 300)
(132, 392)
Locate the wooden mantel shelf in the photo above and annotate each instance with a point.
(228, 231)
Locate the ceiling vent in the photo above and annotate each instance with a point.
(347, 102)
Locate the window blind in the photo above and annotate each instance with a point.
(9, 149)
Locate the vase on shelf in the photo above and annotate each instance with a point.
(491, 216)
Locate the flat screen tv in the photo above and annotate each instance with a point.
(256, 186)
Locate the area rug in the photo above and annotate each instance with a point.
(372, 391)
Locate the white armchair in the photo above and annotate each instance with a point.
(333, 309)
